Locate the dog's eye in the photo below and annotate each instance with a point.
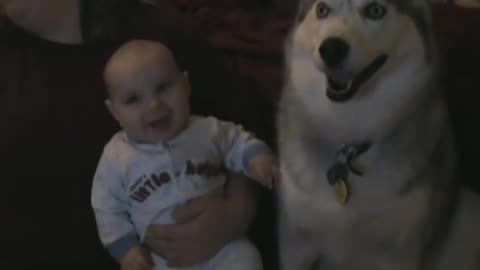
(374, 11)
(322, 10)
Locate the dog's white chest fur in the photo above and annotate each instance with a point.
(373, 220)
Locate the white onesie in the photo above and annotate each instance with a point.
(137, 184)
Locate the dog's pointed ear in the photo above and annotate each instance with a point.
(303, 8)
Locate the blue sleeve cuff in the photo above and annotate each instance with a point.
(251, 151)
(118, 248)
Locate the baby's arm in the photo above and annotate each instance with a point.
(117, 233)
(246, 153)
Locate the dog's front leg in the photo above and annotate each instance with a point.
(297, 250)
(405, 258)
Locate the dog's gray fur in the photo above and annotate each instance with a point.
(406, 211)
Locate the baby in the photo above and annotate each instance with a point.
(164, 156)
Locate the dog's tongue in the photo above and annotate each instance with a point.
(342, 91)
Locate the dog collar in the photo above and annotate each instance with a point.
(338, 173)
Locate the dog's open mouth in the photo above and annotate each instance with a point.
(339, 91)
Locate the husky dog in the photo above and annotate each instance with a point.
(367, 156)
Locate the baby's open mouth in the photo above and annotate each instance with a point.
(341, 91)
(160, 123)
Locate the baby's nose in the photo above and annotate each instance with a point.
(158, 104)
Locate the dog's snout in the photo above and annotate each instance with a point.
(334, 51)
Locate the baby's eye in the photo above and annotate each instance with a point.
(130, 100)
(164, 86)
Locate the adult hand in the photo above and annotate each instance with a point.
(137, 258)
(205, 225)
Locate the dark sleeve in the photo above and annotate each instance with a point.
(216, 90)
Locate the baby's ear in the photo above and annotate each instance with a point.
(108, 103)
(110, 108)
(186, 80)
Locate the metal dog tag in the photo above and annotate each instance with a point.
(337, 177)
(342, 192)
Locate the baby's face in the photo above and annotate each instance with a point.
(150, 99)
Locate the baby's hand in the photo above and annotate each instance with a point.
(265, 169)
(137, 258)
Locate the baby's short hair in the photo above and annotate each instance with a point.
(130, 51)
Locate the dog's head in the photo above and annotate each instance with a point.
(350, 41)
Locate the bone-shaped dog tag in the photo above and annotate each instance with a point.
(342, 191)
(337, 177)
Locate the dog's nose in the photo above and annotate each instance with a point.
(334, 51)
